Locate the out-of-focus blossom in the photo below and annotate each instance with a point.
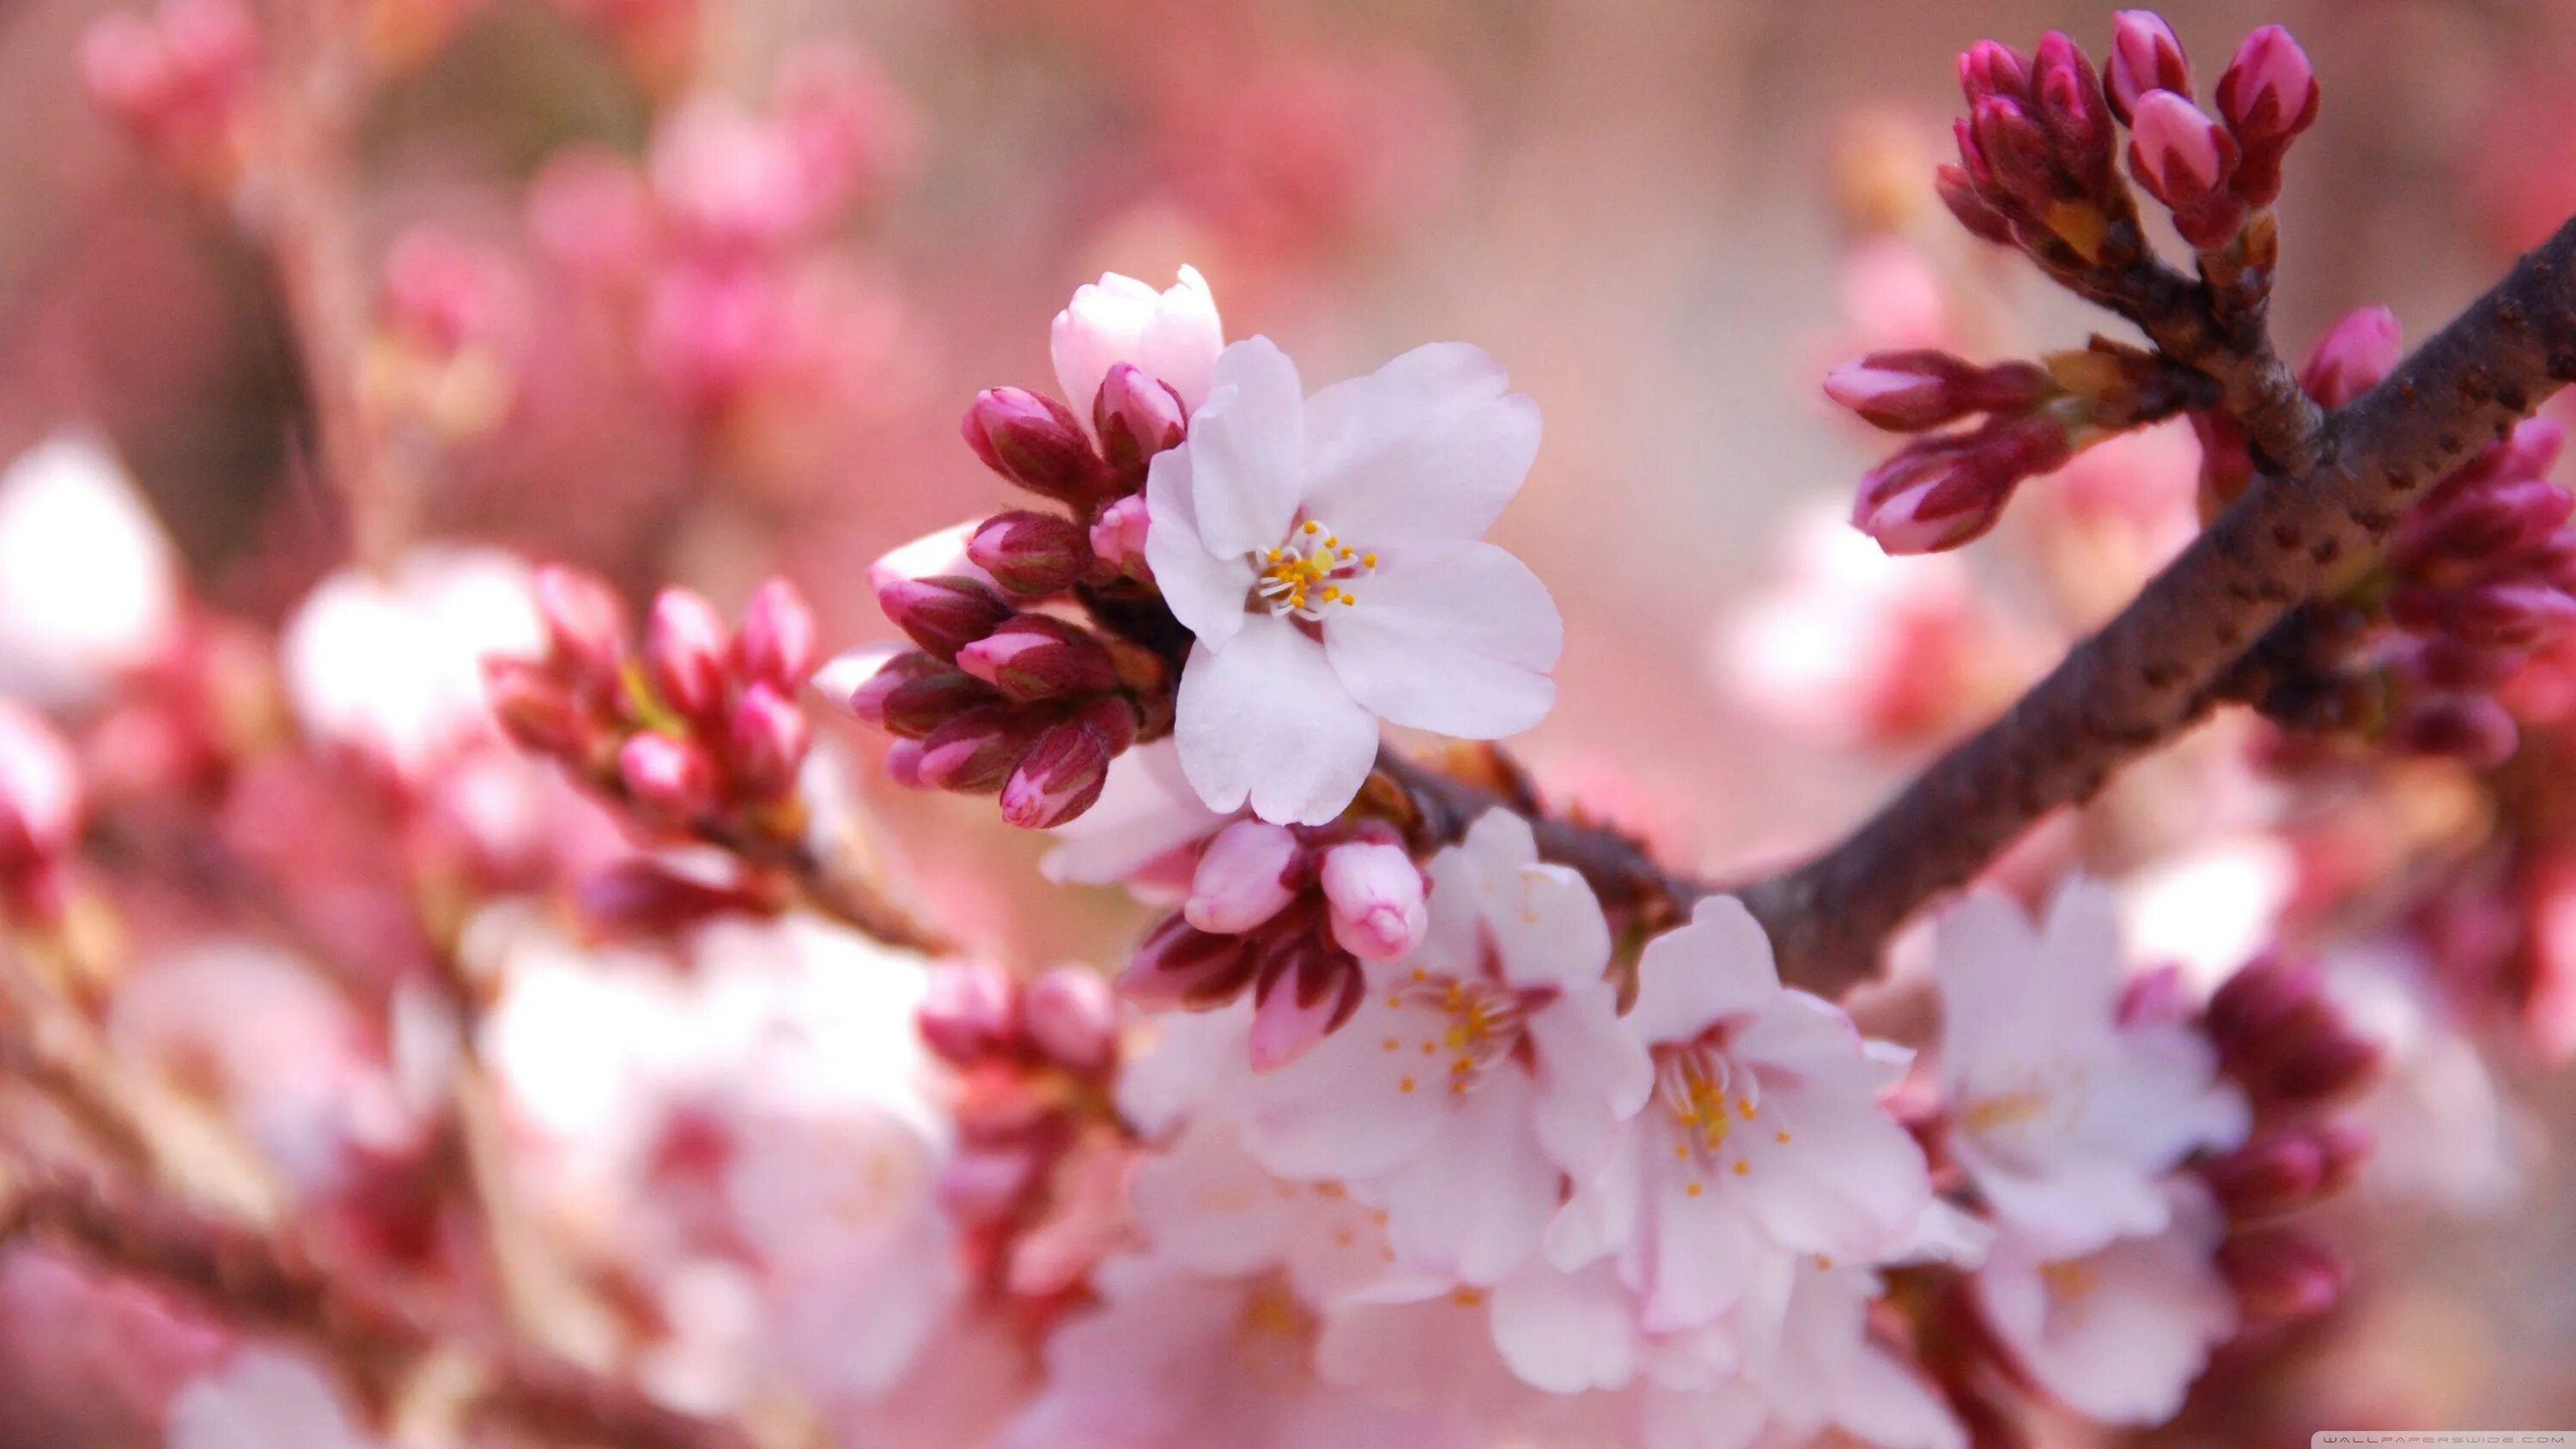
(1355, 515)
(1765, 1139)
(391, 669)
(2443, 1129)
(1173, 336)
(264, 1398)
(179, 78)
(89, 585)
(1474, 1078)
(2066, 1116)
(2117, 1334)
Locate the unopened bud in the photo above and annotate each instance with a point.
(1038, 656)
(2268, 1176)
(2015, 151)
(684, 653)
(586, 629)
(917, 706)
(1958, 191)
(1136, 416)
(969, 1011)
(1118, 537)
(2489, 528)
(1945, 491)
(983, 1184)
(943, 614)
(1072, 1015)
(2353, 356)
(779, 640)
(535, 708)
(974, 752)
(2516, 614)
(1057, 779)
(2145, 56)
(1305, 1001)
(1032, 554)
(673, 779)
(1376, 896)
(2282, 1274)
(2184, 159)
(1035, 442)
(765, 745)
(1243, 877)
(1179, 965)
(1992, 68)
(1908, 392)
(2268, 95)
(2070, 102)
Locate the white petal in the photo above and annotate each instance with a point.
(1248, 450)
(1691, 978)
(1420, 457)
(1593, 1075)
(1601, 1217)
(1264, 720)
(1476, 1200)
(1567, 1332)
(1205, 589)
(1461, 645)
(1353, 1107)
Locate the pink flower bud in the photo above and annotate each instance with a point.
(1942, 492)
(1035, 442)
(2259, 997)
(1992, 68)
(1244, 877)
(1178, 965)
(856, 681)
(943, 615)
(2015, 151)
(2282, 1274)
(684, 653)
(1032, 554)
(2454, 666)
(2268, 96)
(974, 752)
(982, 1185)
(586, 627)
(1038, 656)
(1057, 779)
(2070, 103)
(969, 1011)
(1376, 896)
(2491, 529)
(779, 640)
(1072, 1015)
(1959, 193)
(1114, 719)
(536, 709)
(1305, 1001)
(903, 764)
(765, 746)
(940, 553)
(2352, 357)
(640, 896)
(912, 693)
(1136, 417)
(1910, 391)
(672, 779)
(2345, 1145)
(2268, 1176)
(124, 68)
(2510, 615)
(2184, 159)
(40, 792)
(1118, 537)
(2145, 56)
(2471, 728)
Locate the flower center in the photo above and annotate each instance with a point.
(1709, 1096)
(1306, 575)
(1487, 1024)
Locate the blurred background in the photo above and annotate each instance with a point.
(1665, 218)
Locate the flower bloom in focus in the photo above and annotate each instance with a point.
(1474, 1076)
(2067, 1118)
(1327, 554)
(1765, 1138)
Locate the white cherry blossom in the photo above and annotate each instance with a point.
(1765, 1141)
(1172, 335)
(1474, 1077)
(89, 584)
(2120, 1333)
(1327, 554)
(2066, 1118)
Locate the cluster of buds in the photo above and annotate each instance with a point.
(179, 79)
(698, 733)
(41, 808)
(1288, 913)
(437, 357)
(2479, 578)
(2037, 148)
(1034, 1062)
(1946, 489)
(2296, 1056)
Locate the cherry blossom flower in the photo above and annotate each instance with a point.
(1765, 1139)
(2065, 1117)
(1472, 1079)
(89, 585)
(1326, 553)
(1173, 335)
(2117, 1334)
(2443, 1129)
(261, 1399)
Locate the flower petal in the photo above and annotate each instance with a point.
(1264, 719)
(1688, 979)
(1476, 1199)
(1567, 1332)
(1247, 450)
(1205, 588)
(1461, 646)
(1420, 457)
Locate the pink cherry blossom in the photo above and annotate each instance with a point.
(2066, 1118)
(89, 585)
(2117, 1334)
(1472, 1079)
(1765, 1139)
(1173, 335)
(261, 1399)
(1325, 552)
